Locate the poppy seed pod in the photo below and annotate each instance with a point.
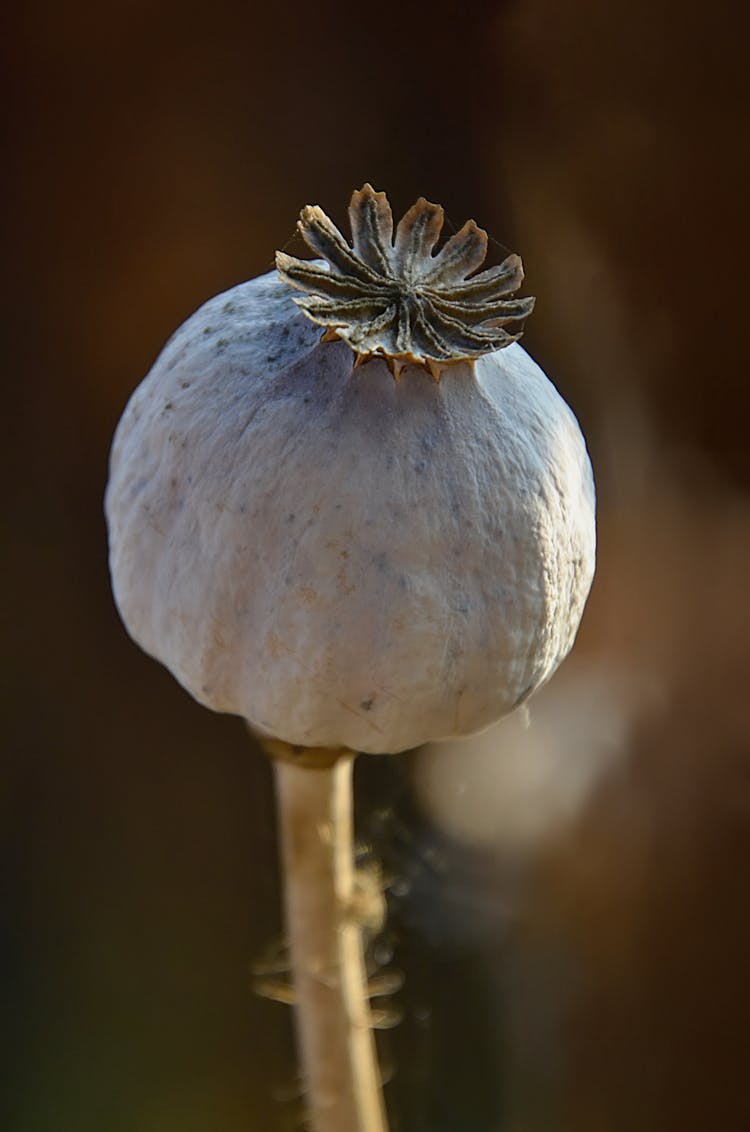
(368, 540)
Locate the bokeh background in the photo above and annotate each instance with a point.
(569, 896)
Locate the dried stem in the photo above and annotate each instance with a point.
(336, 1043)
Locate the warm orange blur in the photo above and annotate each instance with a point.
(591, 974)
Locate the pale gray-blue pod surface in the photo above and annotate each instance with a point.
(344, 559)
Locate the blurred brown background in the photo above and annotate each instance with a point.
(591, 977)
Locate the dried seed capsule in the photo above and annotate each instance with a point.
(345, 560)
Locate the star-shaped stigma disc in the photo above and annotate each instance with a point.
(398, 298)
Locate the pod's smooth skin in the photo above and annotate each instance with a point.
(343, 559)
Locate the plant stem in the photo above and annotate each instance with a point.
(336, 1044)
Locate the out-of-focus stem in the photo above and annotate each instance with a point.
(336, 1043)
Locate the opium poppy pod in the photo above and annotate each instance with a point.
(369, 539)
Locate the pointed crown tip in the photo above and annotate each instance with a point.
(404, 293)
